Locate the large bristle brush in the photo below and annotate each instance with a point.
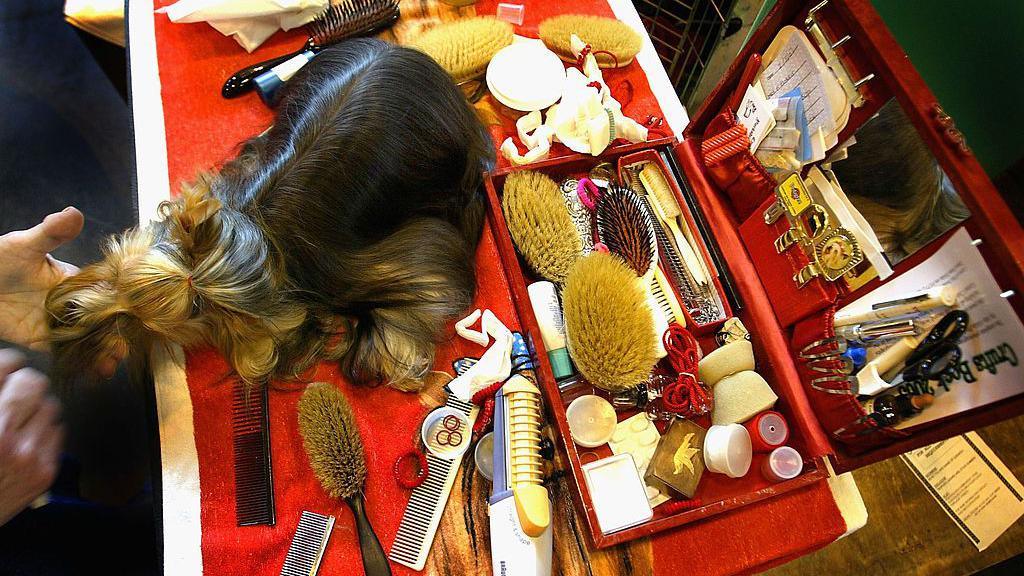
(608, 323)
(626, 229)
(605, 36)
(465, 47)
(335, 450)
(540, 224)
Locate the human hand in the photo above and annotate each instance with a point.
(30, 435)
(28, 272)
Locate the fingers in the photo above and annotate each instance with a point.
(10, 361)
(52, 232)
(40, 442)
(21, 397)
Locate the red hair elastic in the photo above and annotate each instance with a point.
(421, 475)
(485, 399)
(676, 506)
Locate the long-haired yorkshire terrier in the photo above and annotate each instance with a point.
(346, 232)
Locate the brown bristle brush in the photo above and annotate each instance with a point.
(540, 224)
(608, 323)
(340, 21)
(335, 450)
(624, 226)
(465, 47)
(606, 37)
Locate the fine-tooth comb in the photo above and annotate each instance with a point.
(254, 482)
(626, 229)
(308, 544)
(347, 19)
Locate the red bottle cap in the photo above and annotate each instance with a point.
(768, 430)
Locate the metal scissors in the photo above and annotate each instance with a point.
(939, 352)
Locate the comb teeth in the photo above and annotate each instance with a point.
(254, 484)
(352, 18)
(308, 544)
(624, 226)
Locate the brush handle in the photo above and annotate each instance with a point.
(375, 563)
(687, 252)
(245, 79)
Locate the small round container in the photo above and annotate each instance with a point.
(768, 431)
(591, 420)
(783, 463)
(727, 450)
(446, 433)
(526, 76)
(483, 456)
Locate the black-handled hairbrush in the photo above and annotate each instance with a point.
(340, 21)
(335, 449)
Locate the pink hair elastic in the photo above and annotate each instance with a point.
(588, 192)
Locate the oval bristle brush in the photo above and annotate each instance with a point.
(614, 43)
(340, 21)
(335, 450)
(608, 323)
(540, 224)
(465, 47)
(625, 228)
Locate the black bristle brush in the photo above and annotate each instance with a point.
(348, 19)
(624, 226)
(335, 450)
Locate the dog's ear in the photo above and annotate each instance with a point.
(187, 215)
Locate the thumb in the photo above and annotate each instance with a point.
(52, 232)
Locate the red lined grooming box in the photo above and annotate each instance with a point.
(781, 323)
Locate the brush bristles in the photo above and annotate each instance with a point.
(540, 224)
(465, 47)
(653, 180)
(352, 18)
(603, 35)
(608, 323)
(332, 441)
(626, 230)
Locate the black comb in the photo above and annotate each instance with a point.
(254, 482)
(347, 19)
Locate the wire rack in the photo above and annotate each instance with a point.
(685, 33)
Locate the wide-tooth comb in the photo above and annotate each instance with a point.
(348, 19)
(626, 229)
(254, 482)
(308, 544)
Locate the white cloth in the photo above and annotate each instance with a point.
(586, 119)
(496, 363)
(249, 22)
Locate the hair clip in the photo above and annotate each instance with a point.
(850, 381)
(831, 347)
(838, 364)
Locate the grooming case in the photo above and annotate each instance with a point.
(780, 319)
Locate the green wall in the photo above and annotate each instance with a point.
(971, 54)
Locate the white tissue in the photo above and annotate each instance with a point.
(249, 22)
(582, 118)
(496, 363)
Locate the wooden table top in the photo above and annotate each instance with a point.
(907, 532)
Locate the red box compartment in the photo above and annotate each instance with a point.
(871, 50)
